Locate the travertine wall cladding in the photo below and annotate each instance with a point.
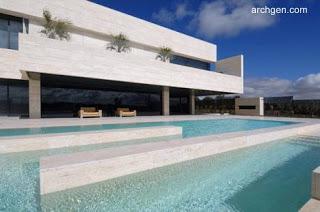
(101, 20)
(85, 54)
(231, 65)
(44, 55)
(257, 102)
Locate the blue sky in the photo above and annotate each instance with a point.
(281, 52)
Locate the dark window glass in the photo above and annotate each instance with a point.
(4, 24)
(62, 96)
(190, 62)
(179, 105)
(3, 98)
(4, 39)
(18, 98)
(14, 98)
(15, 25)
(26, 25)
(10, 27)
(65, 102)
(14, 40)
(247, 107)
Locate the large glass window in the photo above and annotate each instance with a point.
(179, 101)
(62, 96)
(14, 98)
(4, 39)
(179, 105)
(10, 27)
(66, 102)
(3, 98)
(190, 62)
(18, 98)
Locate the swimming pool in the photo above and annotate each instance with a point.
(269, 177)
(191, 128)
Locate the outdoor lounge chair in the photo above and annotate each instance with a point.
(89, 112)
(125, 112)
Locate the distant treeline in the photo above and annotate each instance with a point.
(273, 106)
(218, 104)
(287, 106)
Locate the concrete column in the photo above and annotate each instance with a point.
(34, 96)
(192, 102)
(165, 101)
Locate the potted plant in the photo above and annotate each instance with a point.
(55, 28)
(119, 43)
(164, 54)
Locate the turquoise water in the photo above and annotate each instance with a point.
(19, 173)
(268, 177)
(190, 128)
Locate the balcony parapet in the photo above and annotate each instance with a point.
(231, 65)
(48, 56)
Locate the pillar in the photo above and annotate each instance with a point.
(192, 102)
(34, 95)
(165, 101)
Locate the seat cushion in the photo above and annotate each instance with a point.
(90, 113)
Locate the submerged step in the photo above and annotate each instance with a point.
(79, 169)
(52, 141)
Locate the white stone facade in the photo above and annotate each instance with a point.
(85, 55)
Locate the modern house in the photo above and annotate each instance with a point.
(43, 77)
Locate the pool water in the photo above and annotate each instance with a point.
(191, 128)
(270, 177)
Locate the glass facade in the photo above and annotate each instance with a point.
(10, 27)
(14, 98)
(63, 97)
(66, 102)
(190, 62)
(179, 101)
(179, 105)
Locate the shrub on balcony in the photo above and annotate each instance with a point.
(55, 28)
(119, 43)
(164, 54)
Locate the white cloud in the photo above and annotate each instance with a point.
(229, 18)
(307, 87)
(217, 18)
(182, 11)
(164, 16)
(168, 17)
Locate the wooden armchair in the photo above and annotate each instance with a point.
(125, 112)
(89, 112)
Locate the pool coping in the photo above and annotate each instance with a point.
(100, 165)
(128, 121)
(14, 144)
(61, 122)
(314, 202)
